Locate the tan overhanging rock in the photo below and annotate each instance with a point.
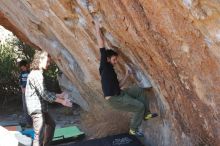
(174, 43)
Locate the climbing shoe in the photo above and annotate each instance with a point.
(150, 115)
(136, 133)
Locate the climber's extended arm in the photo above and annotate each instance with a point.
(99, 35)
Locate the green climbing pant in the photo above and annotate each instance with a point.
(132, 100)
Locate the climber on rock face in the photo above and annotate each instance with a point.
(132, 99)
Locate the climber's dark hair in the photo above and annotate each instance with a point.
(111, 53)
(23, 63)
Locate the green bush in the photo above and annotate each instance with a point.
(12, 51)
(23, 50)
(8, 72)
(8, 63)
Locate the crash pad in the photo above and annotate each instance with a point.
(115, 140)
(67, 134)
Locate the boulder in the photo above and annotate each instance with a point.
(172, 43)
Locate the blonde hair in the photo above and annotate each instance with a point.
(38, 57)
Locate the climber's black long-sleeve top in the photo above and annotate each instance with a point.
(109, 80)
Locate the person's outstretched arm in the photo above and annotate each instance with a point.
(49, 96)
(100, 39)
(99, 35)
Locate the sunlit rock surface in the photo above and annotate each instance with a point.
(174, 43)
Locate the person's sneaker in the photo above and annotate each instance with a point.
(150, 115)
(136, 133)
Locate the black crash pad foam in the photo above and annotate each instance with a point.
(116, 140)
